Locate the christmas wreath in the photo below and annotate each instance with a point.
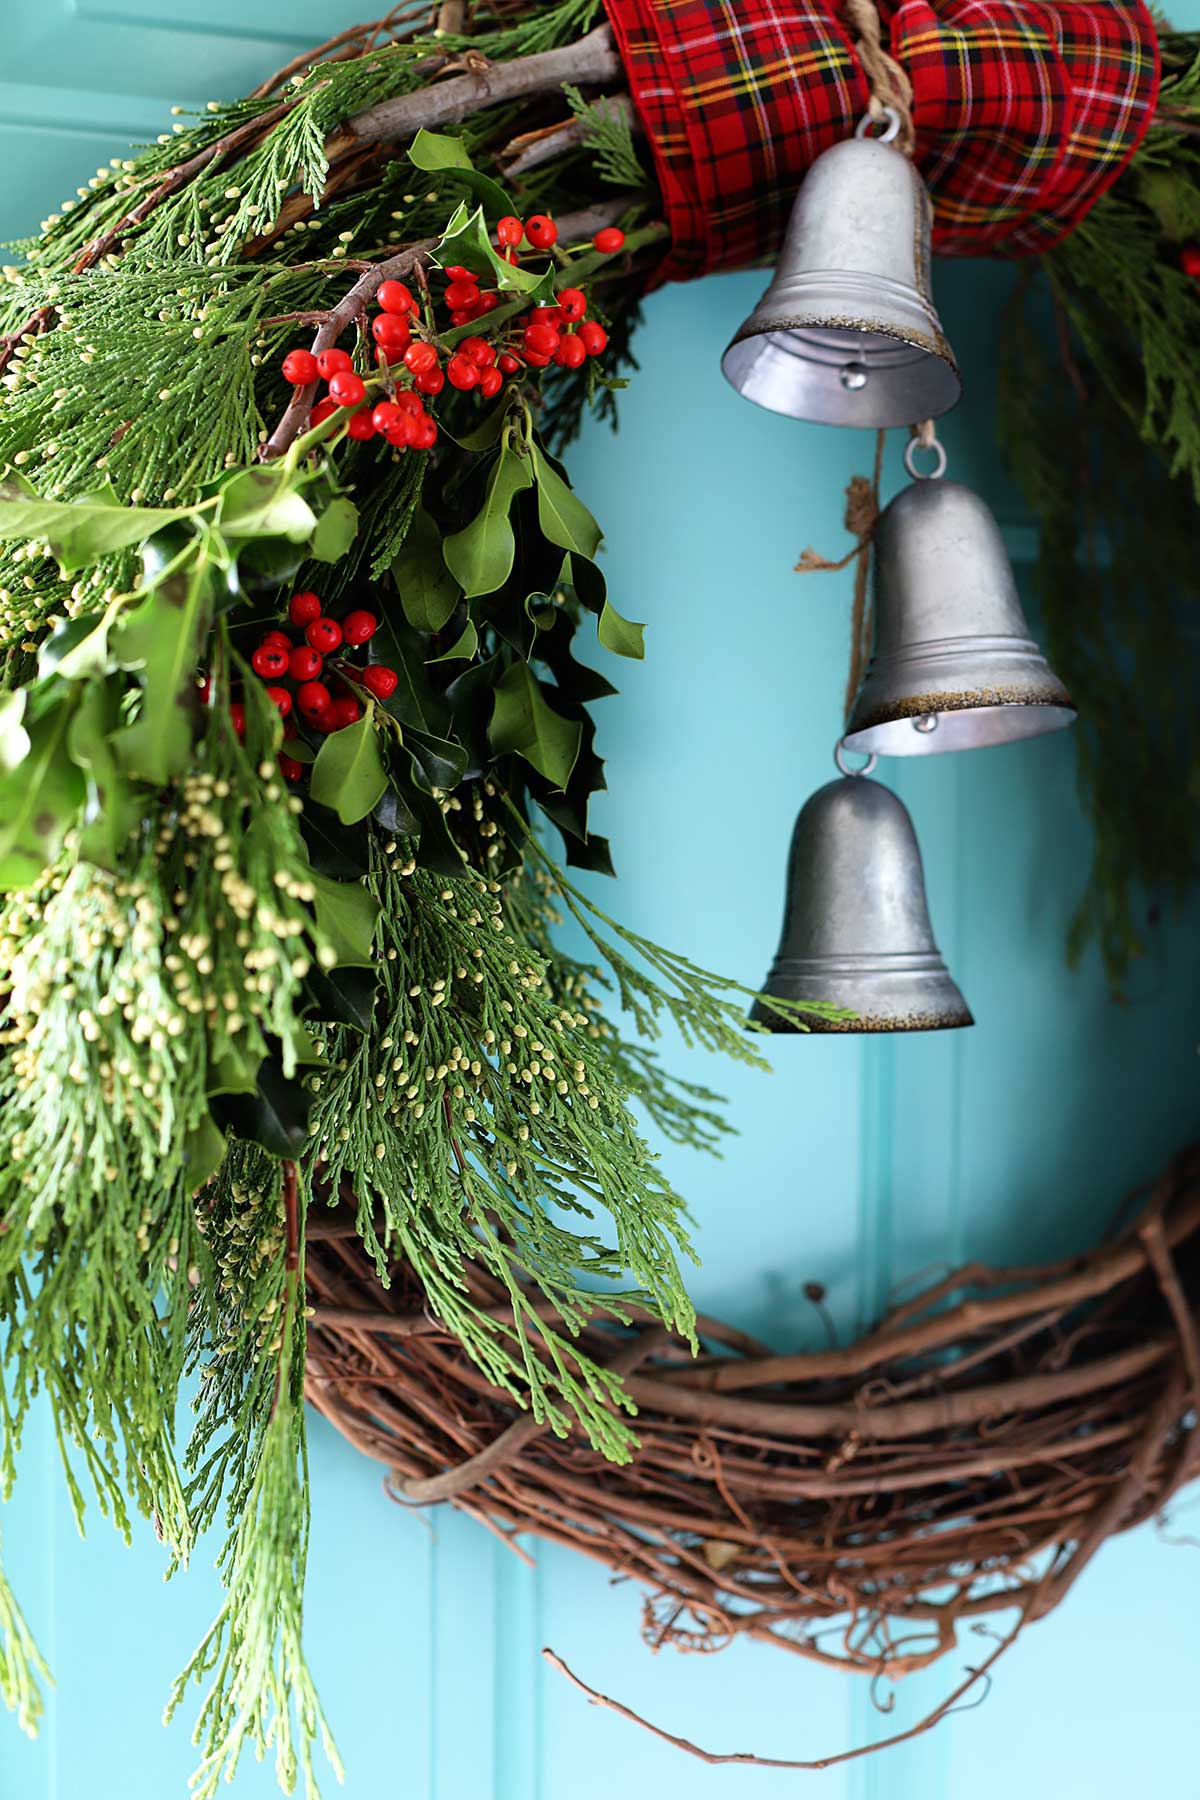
(292, 579)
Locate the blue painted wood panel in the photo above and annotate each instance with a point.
(859, 1161)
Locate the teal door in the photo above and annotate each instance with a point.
(858, 1161)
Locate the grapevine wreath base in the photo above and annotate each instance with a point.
(276, 930)
(860, 1506)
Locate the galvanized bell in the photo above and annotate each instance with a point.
(847, 334)
(953, 666)
(856, 928)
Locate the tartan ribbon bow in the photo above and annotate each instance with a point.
(1024, 113)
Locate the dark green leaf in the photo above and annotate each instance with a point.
(333, 848)
(481, 554)
(463, 649)
(346, 917)
(622, 636)
(275, 1115)
(257, 503)
(349, 773)
(523, 721)
(39, 800)
(440, 155)
(79, 531)
(164, 637)
(416, 701)
(564, 518)
(346, 995)
(78, 647)
(428, 591)
(110, 812)
(337, 528)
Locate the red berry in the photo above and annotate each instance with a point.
(1189, 261)
(479, 351)
(570, 353)
(425, 435)
(509, 230)
(399, 433)
(409, 402)
(312, 699)
(431, 381)
(462, 373)
(359, 625)
(332, 362)
(507, 363)
(289, 768)
(486, 303)
(609, 241)
(323, 635)
(394, 297)
(361, 427)
(379, 680)
(392, 335)
(303, 608)
(572, 303)
(269, 661)
(593, 337)
(300, 367)
(385, 415)
(347, 388)
(279, 638)
(490, 383)
(464, 316)
(324, 409)
(536, 360)
(282, 699)
(541, 231)
(304, 664)
(420, 358)
(344, 712)
(462, 293)
(456, 272)
(542, 339)
(237, 714)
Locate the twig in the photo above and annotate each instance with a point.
(592, 60)
(533, 148)
(747, 1757)
(291, 1270)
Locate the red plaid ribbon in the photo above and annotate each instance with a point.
(1024, 113)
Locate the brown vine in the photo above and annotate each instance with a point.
(861, 1507)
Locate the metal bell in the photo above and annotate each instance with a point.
(953, 666)
(856, 928)
(847, 334)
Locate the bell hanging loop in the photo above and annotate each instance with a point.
(846, 333)
(953, 665)
(856, 930)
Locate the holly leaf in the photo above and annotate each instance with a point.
(624, 637)
(562, 515)
(415, 700)
(336, 530)
(39, 800)
(524, 722)
(466, 241)
(441, 155)
(109, 810)
(164, 638)
(76, 648)
(463, 649)
(346, 993)
(349, 774)
(203, 1152)
(14, 739)
(264, 503)
(480, 556)
(442, 763)
(347, 913)
(275, 1115)
(428, 590)
(79, 531)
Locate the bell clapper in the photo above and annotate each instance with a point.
(926, 722)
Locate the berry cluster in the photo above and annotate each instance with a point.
(561, 334)
(280, 659)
